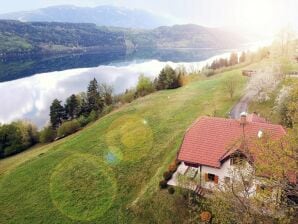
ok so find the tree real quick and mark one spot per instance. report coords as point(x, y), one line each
point(57, 113)
point(182, 75)
point(83, 104)
point(242, 57)
point(289, 112)
point(167, 79)
point(94, 99)
point(144, 86)
point(230, 85)
point(106, 92)
point(47, 134)
point(67, 128)
point(16, 137)
point(72, 107)
point(262, 188)
point(233, 59)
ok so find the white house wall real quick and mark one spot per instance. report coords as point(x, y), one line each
point(223, 172)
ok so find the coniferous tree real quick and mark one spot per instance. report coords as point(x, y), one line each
point(72, 107)
point(57, 113)
point(94, 99)
point(167, 79)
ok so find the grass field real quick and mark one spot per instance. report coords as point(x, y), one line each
point(109, 172)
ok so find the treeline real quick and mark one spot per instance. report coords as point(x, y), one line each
point(52, 37)
point(235, 59)
point(16, 137)
point(81, 109)
point(168, 78)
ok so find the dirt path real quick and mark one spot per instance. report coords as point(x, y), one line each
point(242, 105)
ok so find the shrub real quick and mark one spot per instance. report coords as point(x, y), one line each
point(128, 96)
point(107, 110)
point(92, 116)
point(83, 120)
point(145, 86)
point(171, 190)
point(173, 167)
point(16, 137)
point(68, 128)
point(163, 184)
point(208, 72)
point(47, 134)
point(167, 175)
point(205, 216)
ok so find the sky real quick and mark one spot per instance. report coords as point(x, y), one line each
point(264, 15)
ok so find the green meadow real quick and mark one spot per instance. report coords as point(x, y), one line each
point(109, 171)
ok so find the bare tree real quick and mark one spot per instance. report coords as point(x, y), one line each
point(230, 85)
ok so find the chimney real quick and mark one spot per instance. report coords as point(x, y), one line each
point(243, 116)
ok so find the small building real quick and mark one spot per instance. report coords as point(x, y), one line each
point(211, 146)
point(248, 73)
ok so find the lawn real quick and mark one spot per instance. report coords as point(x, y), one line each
point(109, 172)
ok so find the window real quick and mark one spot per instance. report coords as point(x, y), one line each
point(209, 177)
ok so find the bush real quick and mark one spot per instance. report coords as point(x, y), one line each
point(92, 116)
point(83, 120)
point(16, 137)
point(163, 184)
point(173, 167)
point(208, 72)
point(128, 96)
point(67, 128)
point(145, 86)
point(205, 216)
point(167, 175)
point(171, 190)
point(47, 134)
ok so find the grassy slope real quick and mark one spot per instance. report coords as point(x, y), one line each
point(109, 172)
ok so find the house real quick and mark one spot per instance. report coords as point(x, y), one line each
point(210, 145)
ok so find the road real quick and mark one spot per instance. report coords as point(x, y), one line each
point(242, 105)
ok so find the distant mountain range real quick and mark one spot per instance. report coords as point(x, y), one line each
point(101, 16)
point(35, 38)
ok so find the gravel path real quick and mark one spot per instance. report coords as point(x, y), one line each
point(242, 105)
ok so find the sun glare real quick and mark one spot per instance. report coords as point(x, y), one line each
point(260, 16)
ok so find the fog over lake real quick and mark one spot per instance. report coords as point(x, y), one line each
point(30, 98)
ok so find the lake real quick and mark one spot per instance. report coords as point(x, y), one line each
point(30, 97)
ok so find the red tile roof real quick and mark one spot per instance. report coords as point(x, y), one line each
point(255, 118)
point(206, 142)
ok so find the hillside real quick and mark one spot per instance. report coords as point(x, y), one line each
point(109, 172)
point(36, 38)
point(185, 36)
point(17, 38)
point(102, 16)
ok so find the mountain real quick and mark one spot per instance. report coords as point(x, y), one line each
point(101, 15)
point(184, 36)
point(18, 38)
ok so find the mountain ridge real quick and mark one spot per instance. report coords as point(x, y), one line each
point(54, 37)
point(105, 15)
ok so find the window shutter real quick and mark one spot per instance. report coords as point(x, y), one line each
point(206, 177)
point(216, 179)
